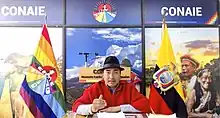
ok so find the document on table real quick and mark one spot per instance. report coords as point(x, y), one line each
point(111, 115)
point(161, 116)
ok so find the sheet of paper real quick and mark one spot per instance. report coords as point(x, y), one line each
point(111, 115)
point(161, 116)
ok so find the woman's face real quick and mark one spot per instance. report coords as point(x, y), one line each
point(206, 80)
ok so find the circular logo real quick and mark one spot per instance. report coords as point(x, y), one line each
point(45, 81)
point(49, 72)
point(164, 79)
point(104, 12)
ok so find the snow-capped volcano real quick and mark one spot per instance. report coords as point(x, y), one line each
point(114, 50)
point(131, 52)
point(72, 73)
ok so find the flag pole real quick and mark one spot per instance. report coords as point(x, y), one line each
point(12, 102)
point(45, 18)
point(164, 17)
point(163, 24)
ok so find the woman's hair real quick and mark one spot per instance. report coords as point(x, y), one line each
point(203, 71)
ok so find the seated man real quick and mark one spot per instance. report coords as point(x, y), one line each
point(111, 94)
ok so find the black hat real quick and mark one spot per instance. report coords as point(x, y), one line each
point(126, 63)
point(111, 62)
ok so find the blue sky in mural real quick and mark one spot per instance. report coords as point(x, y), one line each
point(121, 42)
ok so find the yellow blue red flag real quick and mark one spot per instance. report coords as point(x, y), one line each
point(166, 94)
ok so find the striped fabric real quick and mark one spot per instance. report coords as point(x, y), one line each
point(213, 19)
point(42, 88)
point(172, 100)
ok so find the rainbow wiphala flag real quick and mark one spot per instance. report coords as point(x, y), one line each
point(42, 88)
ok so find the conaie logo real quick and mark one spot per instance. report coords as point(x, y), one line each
point(23, 11)
point(95, 71)
point(181, 11)
point(104, 11)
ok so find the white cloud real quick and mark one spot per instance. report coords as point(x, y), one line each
point(102, 31)
point(135, 37)
point(70, 31)
point(121, 30)
point(119, 34)
point(137, 64)
point(116, 37)
point(25, 40)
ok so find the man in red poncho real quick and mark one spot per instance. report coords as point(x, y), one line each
point(111, 94)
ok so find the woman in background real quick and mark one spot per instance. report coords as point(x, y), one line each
point(202, 100)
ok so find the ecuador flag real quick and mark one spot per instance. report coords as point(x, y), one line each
point(42, 88)
point(166, 94)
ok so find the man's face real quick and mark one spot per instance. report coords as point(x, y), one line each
point(187, 68)
point(112, 76)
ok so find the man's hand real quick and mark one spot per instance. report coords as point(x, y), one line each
point(209, 115)
point(98, 104)
point(112, 109)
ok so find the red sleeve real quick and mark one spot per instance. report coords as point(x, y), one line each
point(139, 101)
point(84, 99)
point(88, 96)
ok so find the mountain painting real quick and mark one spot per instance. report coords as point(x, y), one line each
point(124, 43)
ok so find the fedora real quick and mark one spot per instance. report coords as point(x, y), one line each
point(111, 62)
point(126, 63)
